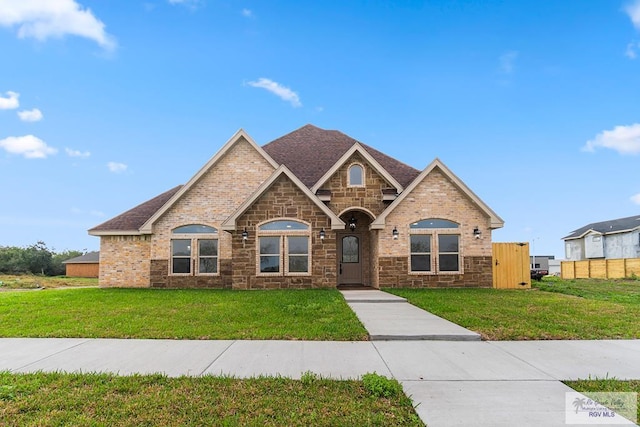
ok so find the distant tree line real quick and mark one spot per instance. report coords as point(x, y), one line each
point(34, 259)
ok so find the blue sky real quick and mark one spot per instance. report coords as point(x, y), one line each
point(105, 104)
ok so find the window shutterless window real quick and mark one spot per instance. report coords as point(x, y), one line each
point(269, 254)
point(284, 247)
point(420, 252)
point(448, 252)
point(194, 250)
point(181, 256)
point(298, 252)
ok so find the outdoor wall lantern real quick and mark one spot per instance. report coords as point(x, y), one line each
point(245, 235)
point(322, 234)
point(395, 233)
point(476, 232)
point(352, 223)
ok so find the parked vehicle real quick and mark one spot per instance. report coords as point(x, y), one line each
point(538, 273)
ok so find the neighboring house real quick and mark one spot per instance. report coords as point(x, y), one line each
point(540, 261)
point(312, 209)
point(87, 265)
point(618, 238)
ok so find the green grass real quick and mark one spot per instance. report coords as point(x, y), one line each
point(179, 314)
point(100, 399)
point(607, 385)
point(580, 310)
point(621, 291)
point(30, 281)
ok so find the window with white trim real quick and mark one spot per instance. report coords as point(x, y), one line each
point(194, 250)
point(284, 248)
point(356, 175)
point(434, 246)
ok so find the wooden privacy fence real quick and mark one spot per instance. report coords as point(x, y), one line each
point(600, 268)
point(511, 266)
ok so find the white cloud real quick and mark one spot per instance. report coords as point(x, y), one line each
point(34, 115)
point(193, 4)
point(116, 167)
point(635, 199)
point(630, 52)
point(623, 139)
point(28, 146)
point(10, 102)
point(76, 153)
point(277, 89)
point(247, 13)
point(633, 10)
point(42, 19)
point(507, 61)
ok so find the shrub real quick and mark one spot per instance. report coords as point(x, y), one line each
point(381, 386)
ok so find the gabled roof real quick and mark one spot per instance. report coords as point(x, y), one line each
point(310, 152)
point(619, 225)
point(130, 221)
point(496, 221)
point(146, 228)
point(357, 148)
point(88, 258)
point(230, 223)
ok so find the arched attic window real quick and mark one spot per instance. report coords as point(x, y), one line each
point(356, 175)
point(194, 250)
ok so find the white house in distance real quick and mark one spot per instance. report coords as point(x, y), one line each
point(617, 238)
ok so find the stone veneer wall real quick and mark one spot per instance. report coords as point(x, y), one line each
point(436, 197)
point(124, 261)
point(210, 201)
point(393, 273)
point(345, 197)
point(284, 200)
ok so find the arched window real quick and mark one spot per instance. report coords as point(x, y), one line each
point(284, 248)
point(434, 223)
point(356, 175)
point(434, 246)
point(194, 250)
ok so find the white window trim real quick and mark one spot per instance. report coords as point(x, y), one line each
point(435, 251)
point(284, 248)
point(195, 256)
point(349, 184)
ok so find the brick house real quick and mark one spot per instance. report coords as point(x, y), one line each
point(312, 209)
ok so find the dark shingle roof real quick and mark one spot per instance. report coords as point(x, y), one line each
point(605, 227)
point(310, 152)
point(134, 218)
point(88, 258)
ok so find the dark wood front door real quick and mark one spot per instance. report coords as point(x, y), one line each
point(350, 259)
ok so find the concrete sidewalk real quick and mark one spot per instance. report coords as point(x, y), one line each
point(452, 383)
point(390, 317)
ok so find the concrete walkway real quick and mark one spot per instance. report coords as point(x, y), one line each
point(452, 383)
point(389, 317)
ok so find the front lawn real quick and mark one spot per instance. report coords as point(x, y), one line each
point(100, 399)
point(574, 310)
point(179, 314)
point(607, 385)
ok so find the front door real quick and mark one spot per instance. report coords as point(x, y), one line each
point(350, 259)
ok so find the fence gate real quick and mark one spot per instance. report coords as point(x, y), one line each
point(511, 266)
